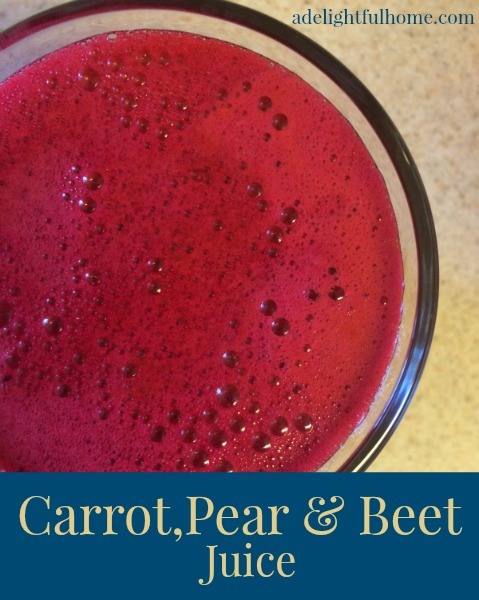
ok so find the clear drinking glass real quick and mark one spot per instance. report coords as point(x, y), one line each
point(66, 24)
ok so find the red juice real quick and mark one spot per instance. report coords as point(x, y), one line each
point(200, 264)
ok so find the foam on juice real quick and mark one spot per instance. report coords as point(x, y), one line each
point(200, 263)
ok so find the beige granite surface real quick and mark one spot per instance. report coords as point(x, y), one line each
point(427, 79)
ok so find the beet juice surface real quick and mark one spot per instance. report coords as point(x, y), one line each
point(200, 264)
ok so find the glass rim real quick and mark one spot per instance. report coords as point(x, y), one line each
point(391, 139)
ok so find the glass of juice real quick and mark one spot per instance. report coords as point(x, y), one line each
point(217, 252)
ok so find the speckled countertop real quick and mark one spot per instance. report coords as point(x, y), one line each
point(427, 79)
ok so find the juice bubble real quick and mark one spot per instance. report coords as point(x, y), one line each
point(142, 125)
point(157, 433)
point(129, 371)
point(52, 325)
point(210, 415)
point(274, 380)
point(93, 181)
point(254, 407)
point(155, 264)
point(228, 395)
point(12, 361)
point(174, 416)
point(336, 293)
point(224, 467)
point(6, 313)
point(265, 103)
point(231, 359)
point(238, 424)
point(254, 189)
point(24, 345)
point(280, 326)
point(87, 205)
point(217, 438)
point(88, 79)
point(188, 435)
point(268, 307)
point(303, 422)
point(289, 215)
point(262, 205)
point(93, 277)
point(62, 391)
point(279, 426)
point(200, 459)
point(153, 287)
point(275, 234)
point(280, 121)
point(144, 58)
point(261, 442)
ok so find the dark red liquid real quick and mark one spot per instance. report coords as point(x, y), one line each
point(200, 265)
